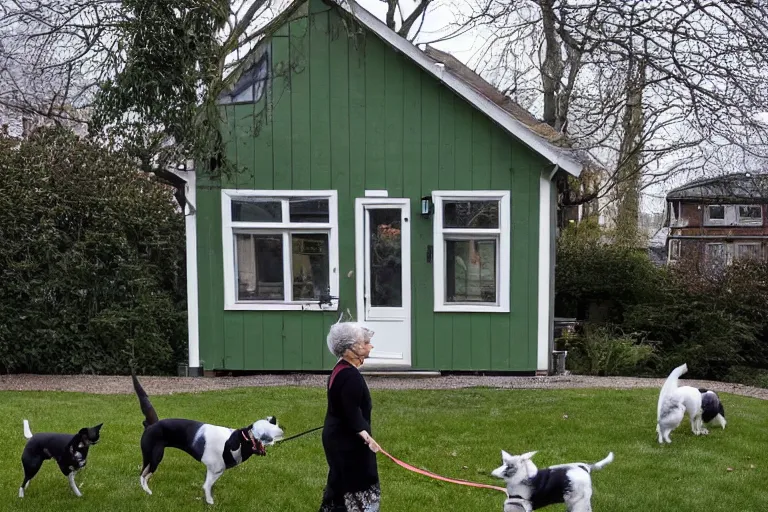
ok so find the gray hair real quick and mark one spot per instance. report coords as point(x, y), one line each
point(345, 334)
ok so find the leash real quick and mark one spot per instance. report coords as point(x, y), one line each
point(412, 468)
point(438, 477)
point(300, 434)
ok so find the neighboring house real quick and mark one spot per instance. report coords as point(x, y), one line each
point(376, 182)
point(715, 221)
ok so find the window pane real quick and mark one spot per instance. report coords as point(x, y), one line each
point(714, 255)
point(471, 214)
point(747, 251)
point(310, 265)
point(750, 213)
point(717, 212)
point(674, 250)
point(259, 261)
point(256, 209)
point(470, 271)
point(386, 258)
point(309, 209)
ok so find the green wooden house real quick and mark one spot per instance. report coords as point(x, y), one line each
point(373, 181)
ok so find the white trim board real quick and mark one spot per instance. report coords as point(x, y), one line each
point(544, 315)
point(513, 126)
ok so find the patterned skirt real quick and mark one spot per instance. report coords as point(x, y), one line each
point(361, 501)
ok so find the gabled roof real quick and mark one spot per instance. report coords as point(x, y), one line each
point(737, 187)
point(515, 121)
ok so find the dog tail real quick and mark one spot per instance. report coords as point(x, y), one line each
point(27, 430)
point(670, 385)
point(146, 406)
point(601, 464)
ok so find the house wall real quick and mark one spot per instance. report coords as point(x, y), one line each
point(694, 235)
point(351, 114)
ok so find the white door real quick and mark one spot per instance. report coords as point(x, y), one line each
point(383, 277)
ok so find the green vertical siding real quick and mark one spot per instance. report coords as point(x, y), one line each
point(348, 113)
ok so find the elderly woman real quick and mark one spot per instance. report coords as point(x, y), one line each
point(353, 478)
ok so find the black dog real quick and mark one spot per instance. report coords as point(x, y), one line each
point(219, 448)
point(69, 451)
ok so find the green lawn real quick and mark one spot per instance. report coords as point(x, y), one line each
point(454, 433)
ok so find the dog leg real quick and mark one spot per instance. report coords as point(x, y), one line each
point(144, 478)
point(73, 485)
point(210, 479)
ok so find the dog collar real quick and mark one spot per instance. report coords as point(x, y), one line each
point(257, 446)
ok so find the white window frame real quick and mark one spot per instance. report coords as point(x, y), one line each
point(228, 245)
point(708, 221)
point(503, 256)
point(675, 248)
point(748, 221)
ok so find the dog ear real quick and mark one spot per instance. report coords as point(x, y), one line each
point(529, 455)
point(505, 457)
point(272, 420)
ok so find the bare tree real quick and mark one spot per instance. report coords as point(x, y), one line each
point(403, 26)
point(653, 89)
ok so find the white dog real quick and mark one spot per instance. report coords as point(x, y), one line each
point(530, 488)
point(702, 405)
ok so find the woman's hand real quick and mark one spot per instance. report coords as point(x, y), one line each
point(367, 439)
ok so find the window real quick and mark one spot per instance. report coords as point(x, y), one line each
point(471, 251)
point(750, 214)
point(733, 214)
point(674, 250)
point(251, 85)
point(747, 251)
point(280, 249)
point(715, 255)
point(715, 214)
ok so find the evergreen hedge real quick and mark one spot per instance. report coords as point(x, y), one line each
point(91, 261)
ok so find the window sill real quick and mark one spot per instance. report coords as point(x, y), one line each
point(285, 306)
point(470, 308)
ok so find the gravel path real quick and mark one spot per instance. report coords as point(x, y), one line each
point(112, 385)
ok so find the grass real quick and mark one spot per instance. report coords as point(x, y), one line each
point(455, 433)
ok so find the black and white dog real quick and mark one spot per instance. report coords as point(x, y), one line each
point(69, 451)
point(702, 406)
point(219, 448)
point(530, 488)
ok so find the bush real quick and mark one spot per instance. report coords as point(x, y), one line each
point(716, 322)
point(92, 261)
point(605, 350)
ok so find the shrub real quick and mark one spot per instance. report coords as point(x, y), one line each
point(92, 261)
point(605, 350)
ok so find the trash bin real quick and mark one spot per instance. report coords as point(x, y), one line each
point(558, 362)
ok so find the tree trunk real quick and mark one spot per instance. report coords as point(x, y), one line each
point(629, 171)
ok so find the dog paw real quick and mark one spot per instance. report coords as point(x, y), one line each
point(704, 432)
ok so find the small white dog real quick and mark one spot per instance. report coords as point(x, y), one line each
point(530, 488)
point(702, 405)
